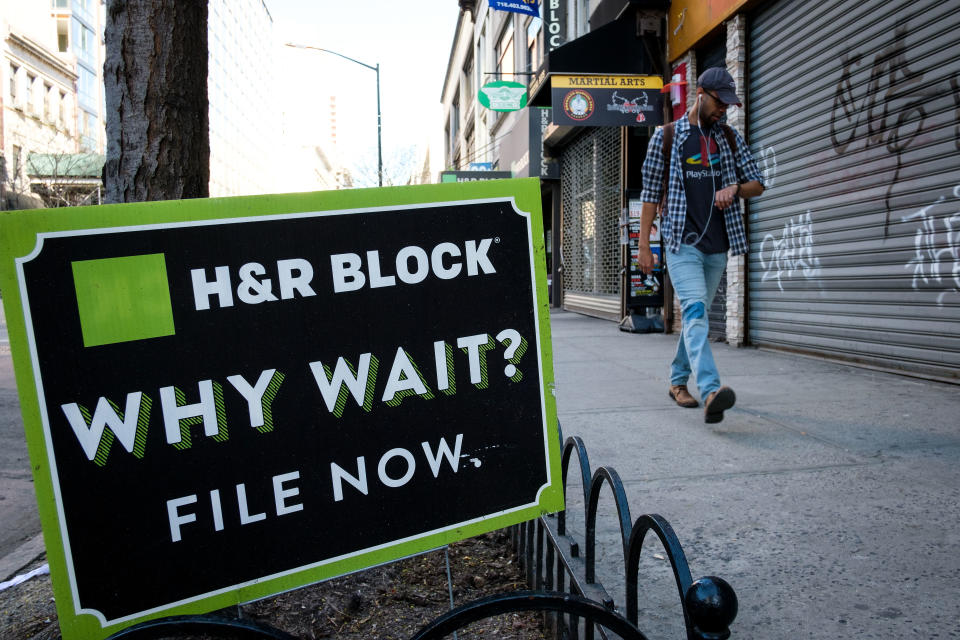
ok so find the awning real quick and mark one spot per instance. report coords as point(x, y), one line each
point(65, 165)
point(617, 47)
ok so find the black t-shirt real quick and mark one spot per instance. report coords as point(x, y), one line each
point(701, 167)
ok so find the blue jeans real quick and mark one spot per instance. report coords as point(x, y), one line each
point(695, 277)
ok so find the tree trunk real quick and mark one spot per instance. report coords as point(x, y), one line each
point(155, 78)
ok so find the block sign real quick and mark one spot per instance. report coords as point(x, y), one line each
point(226, 399)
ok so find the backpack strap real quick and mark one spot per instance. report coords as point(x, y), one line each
point(731, 139)
point(667, 150)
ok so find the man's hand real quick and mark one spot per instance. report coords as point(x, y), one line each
point(726, 196)
point(645, 256)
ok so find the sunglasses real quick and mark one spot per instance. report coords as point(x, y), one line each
point(720, 103)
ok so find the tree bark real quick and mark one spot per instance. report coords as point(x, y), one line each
point(155, 78)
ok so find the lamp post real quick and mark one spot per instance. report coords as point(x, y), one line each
point(375, 69)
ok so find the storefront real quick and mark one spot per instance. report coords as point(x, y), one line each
point(605, 92)
point(855, 247)
point(522, 154)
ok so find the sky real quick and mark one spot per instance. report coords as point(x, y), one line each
point(411, 41)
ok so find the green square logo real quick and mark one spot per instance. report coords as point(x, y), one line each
point(123, 299)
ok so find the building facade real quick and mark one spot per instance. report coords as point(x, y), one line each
point(306, 154)
point(852, 110)
point(51, 121)
point(80, 25)
point(491, 46)
point(241, 91)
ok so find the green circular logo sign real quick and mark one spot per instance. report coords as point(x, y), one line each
point(503, 95)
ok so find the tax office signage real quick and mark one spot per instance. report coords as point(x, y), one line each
point(229, 398)
point(606, 100)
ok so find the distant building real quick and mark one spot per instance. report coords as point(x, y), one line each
point(241, 90)
point(266, 136)
point(305, 152)
point(51, 99)
point(488, 46)
point(79, 31)
point(429, 157)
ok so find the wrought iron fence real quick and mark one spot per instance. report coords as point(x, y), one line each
point(553, 560)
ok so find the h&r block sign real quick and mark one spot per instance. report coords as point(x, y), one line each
point(225, 399)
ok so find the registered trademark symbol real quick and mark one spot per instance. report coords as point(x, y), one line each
point(496, 240)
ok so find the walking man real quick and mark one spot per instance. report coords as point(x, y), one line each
point(695, 172)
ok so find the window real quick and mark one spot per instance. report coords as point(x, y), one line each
point(48, 96)
point(86, 41)
point(533, 44)
point(13, 83)
point(505, 55)
point(29, 92)
point(582, 17)
point(62, 109)
point(17, 151)
point(446, 133)
point(467, 90)
point(61, 4)
point(88, 131)
point(84, 8)
point(480, 60)
point(88, 87)
point(63, 35)
point(455, 118)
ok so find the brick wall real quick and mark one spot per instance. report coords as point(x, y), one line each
point(737, 265)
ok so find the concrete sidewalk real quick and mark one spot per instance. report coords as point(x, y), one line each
point(828, 497)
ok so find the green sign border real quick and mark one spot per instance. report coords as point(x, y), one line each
point(19, 236)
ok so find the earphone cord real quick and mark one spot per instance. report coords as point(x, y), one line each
point(713, 182)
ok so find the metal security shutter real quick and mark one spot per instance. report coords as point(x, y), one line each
point(855, 247)
point(591, 193)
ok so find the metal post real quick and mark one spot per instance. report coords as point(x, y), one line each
point(379, 146)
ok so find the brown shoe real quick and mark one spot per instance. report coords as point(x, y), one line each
point(718, 402)
point(682, 397)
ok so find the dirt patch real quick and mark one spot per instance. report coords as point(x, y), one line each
point(389, 602)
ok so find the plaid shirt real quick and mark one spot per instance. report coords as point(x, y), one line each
point(674, 215)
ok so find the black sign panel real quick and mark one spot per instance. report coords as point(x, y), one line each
point(285, 397)
point(473, 176)
point(607, 101)
point(540, 165)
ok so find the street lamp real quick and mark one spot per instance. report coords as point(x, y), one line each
point(377, 70)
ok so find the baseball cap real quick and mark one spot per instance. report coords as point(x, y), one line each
point(719, 80)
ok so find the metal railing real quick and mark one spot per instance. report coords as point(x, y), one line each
point(553, 561)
